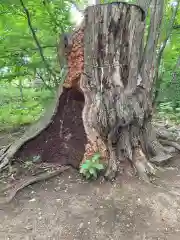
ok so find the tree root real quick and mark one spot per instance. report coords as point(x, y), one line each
point(141, 164)
point(170, 143)
point(5, 162)
point(11, 192)
point(165, 138)
point(168, 153)
point(3, 151)
point(144, 166)
point(163, 133)
point(8, 153)
point(161, 159)
point(111, 170)
point(162, 156)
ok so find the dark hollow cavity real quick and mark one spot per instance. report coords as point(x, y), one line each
point(63, 141)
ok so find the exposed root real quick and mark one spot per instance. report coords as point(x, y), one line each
point(143, 167)
point(141, 171)
point(161, 159)
point(5, 162)
point(160, 154)
point(31, 132)
point(12, 191)
point(154, 147)
point(3, 151)
point(111, 170)
point(163, 133)
point(170, 143)
point(158, 145)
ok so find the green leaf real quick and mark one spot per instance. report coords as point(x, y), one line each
point(99, 166)
point(88, 175)
point(87, 164)
point(93, 172)
point(82, 170)
point(18, 48)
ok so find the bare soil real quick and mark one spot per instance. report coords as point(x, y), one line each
point(63, 141)
point(69, 208)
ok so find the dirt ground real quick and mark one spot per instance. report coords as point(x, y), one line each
point(68, 208)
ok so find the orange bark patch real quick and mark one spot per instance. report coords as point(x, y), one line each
point(92, 148)
point(75, 61)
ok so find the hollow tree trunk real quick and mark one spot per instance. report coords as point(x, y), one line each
point(107, 64)
point(118, 108)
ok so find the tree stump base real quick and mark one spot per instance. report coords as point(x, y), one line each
point(104, 68)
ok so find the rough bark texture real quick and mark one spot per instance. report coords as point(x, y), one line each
point(118, 108)
point(111, 86)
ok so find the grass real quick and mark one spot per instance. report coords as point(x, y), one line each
point(15, 112)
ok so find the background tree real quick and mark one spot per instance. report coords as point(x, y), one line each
point(29, 69)
point(29, 41)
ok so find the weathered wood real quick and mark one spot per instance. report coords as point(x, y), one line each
point(116, 84)
point(117, 110)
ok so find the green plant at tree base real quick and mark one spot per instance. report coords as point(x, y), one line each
point(91, 167)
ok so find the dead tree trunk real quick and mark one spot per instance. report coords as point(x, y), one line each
point(107, 63)
point(118, 105)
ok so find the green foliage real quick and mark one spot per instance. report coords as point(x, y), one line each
point(19, 53)
point(91, 167)
point(15, 113)
point(21, 61)
point(169, 81)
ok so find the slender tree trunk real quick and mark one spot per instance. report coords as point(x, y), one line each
point(118, 107)
point(158, 78)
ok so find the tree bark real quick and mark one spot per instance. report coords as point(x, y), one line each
point(107, 63)
point(117, 113)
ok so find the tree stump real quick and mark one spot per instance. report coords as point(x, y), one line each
point(108, 65)
point(118, 108)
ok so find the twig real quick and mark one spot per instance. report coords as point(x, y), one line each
point(52, 16)
point(3, 150)
point(36, 39)
point(32, 180)
point(14, 53)
point(45, 84)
